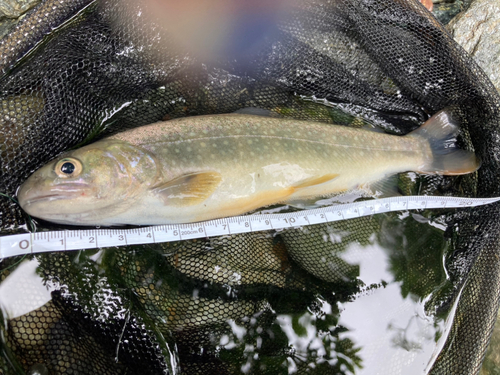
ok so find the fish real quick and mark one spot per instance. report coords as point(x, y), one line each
point(213, 166)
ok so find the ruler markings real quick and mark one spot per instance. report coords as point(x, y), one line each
point(28, 243)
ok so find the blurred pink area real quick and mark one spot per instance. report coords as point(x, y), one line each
point(209, 29)
point(428, 4)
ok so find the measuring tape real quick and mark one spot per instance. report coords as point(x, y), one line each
point(29, 243)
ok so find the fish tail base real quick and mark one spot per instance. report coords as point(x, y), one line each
point(441, 131)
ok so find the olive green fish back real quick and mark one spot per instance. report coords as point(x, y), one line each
point(220, 305)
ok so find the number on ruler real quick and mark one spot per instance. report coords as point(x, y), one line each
point(24, 244)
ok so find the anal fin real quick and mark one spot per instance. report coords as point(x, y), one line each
point(304, 204)
point(309, 203)
point(386, 187)
point(308, 182)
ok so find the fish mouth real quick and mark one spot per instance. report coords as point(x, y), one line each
point(62, 192)
point(48, 197)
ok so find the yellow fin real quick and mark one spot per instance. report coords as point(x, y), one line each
point(315, 180)
point(189, 189)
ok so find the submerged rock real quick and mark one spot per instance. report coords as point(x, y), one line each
point(477, 30)
point(15, 8)
point(10, 11)
point(445, 10)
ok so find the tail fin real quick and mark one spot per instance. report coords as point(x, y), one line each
point(441, 131)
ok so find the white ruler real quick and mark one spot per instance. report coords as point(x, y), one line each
point(29, 243)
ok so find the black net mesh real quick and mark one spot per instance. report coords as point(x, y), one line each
point(74, 71)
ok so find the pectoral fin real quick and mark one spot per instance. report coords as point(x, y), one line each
point(189, 189)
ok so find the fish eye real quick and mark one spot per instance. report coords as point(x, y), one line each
point(68, 167)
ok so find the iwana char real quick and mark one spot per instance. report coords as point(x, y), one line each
point(205, 167)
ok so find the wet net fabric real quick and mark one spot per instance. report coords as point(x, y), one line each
point(95, 68)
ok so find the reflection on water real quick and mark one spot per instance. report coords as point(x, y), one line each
point(395, 335)
point(353, 297)
point(23, 291)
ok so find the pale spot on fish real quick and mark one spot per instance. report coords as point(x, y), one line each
point(199, 157)
point(189, 149)
point(226, 142)
point(177, 150)
point(249, 141)
point(212, 156)
point(356, 137)
point(361, 153)
point(203, 144)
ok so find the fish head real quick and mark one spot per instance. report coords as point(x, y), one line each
point(84, 185)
